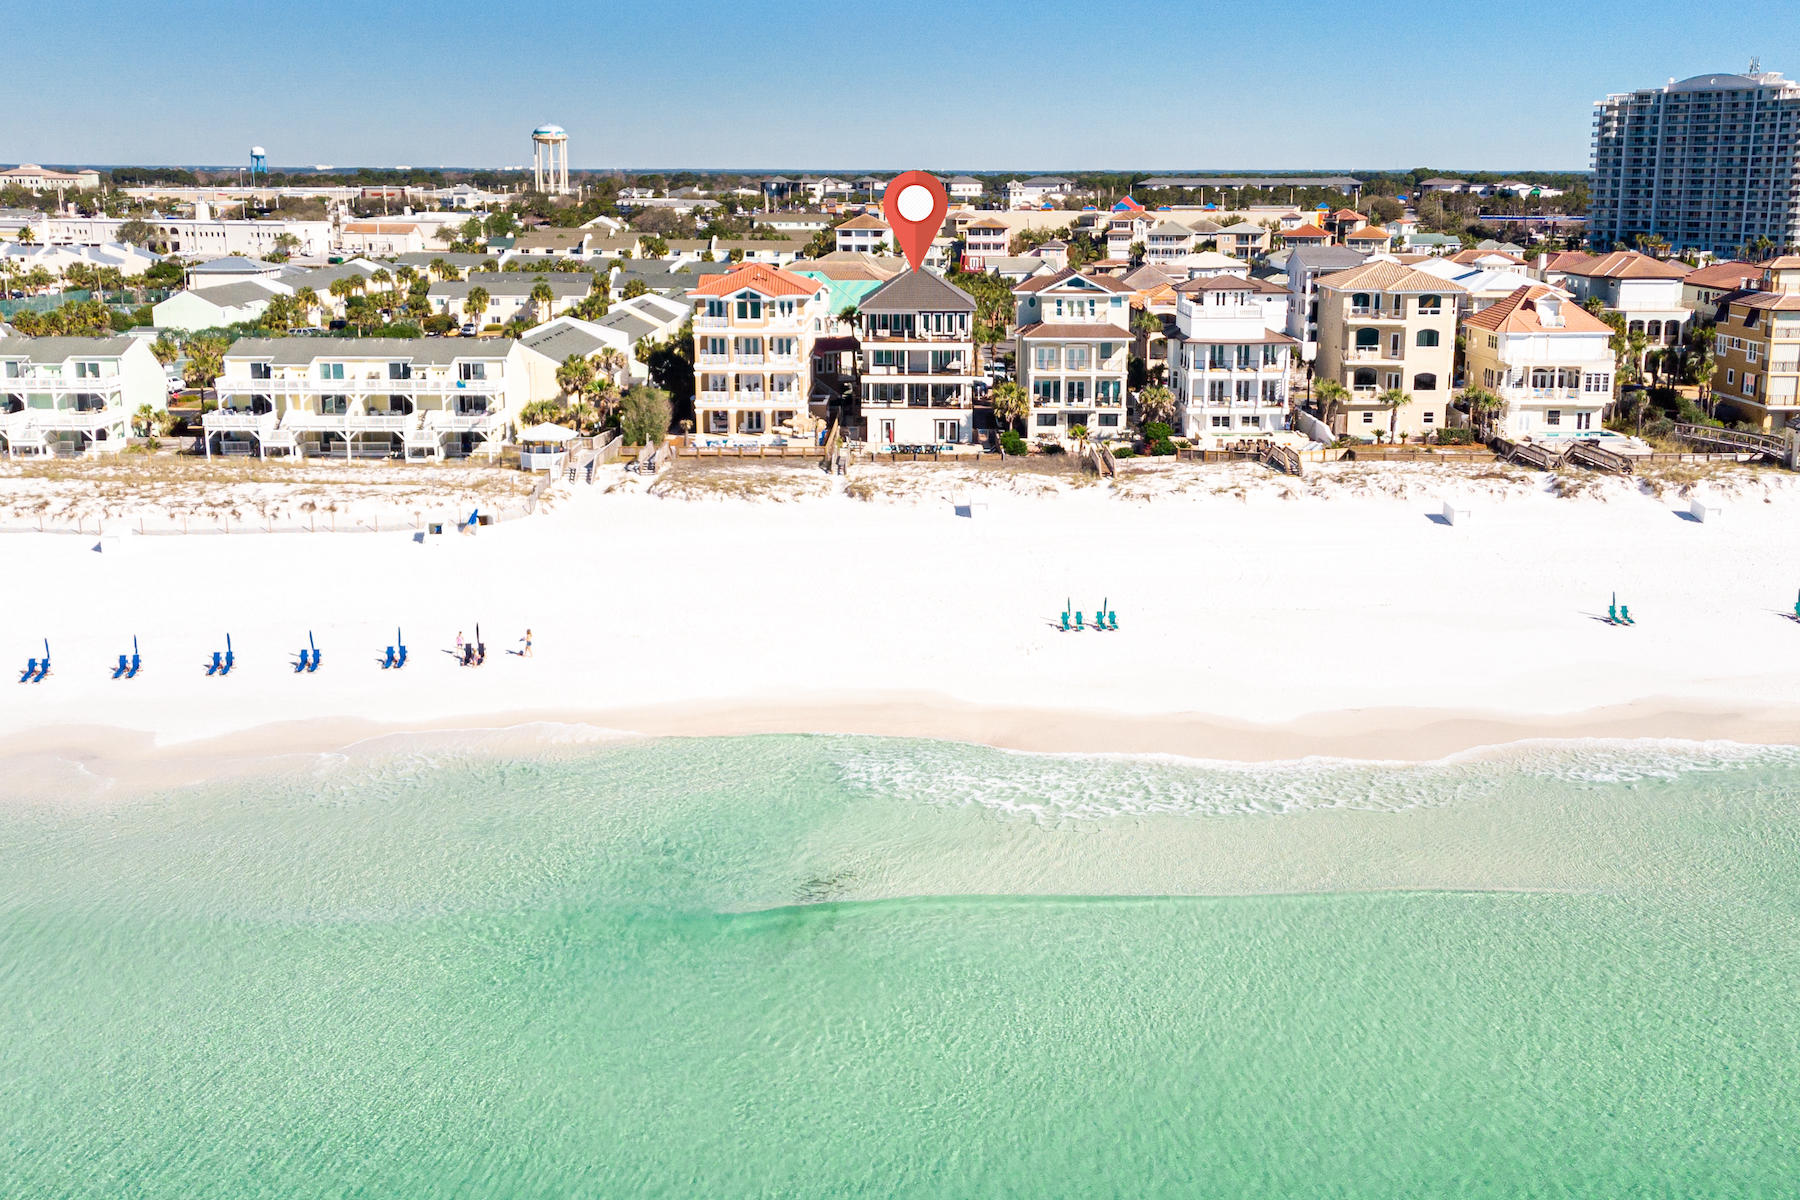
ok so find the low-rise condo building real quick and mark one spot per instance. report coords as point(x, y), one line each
point(1072, 350)
point(1384, 327)
point(918, 362)
point(421, 399)
point(75, 395)
point(509, 295)
point(1547, 358)
point(1756, 347)
point(1646, 291)
point(1228, 366)
point(754, 328)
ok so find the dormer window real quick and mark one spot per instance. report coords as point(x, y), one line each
point(1550, 313)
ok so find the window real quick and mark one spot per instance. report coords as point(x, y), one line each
point(1046, 420)
point(470, 370)
point(1427, 337)
point(1368, 416)
point(1075, 358)
point(1221, 422)
point(1428, 416)
point(1365, 378)
point(1430, 306)
point(1360, 302)
point(1730, 377)
point(1044, 358)
point(333, 406)
point(1047, 391)
point(1584, 420)
point(1109, 420)
point(1077, 393)
point(331, 370)
point(1553, 416)
point(749, 308)
point(1596, 382)
point(1367, 339)
point(258, 370)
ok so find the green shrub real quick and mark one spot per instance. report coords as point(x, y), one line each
point(1124, 450)
point(1012, 443)
point(1162, 445)
point(1050, 447)
point(1157, 431)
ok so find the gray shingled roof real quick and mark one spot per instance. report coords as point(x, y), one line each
point(60, 349)
point(563, 341)
point(234, 264)
point(299, 351)
point(233, 295)
point(917, 291)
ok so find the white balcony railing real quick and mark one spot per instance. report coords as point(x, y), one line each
point(714, 396)
point(238, 385)
point(60, 385)
point(225, 420)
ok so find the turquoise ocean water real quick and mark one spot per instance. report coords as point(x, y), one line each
point(857, 967)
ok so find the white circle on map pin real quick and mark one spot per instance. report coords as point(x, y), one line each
point(915, 202)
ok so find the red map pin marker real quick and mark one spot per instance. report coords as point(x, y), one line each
point(914, 205)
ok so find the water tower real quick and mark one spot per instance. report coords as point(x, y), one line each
point(550, 160)
point(259, 164)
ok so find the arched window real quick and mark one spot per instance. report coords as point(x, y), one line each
point(1367, 339)
point(1365, 378)
point(1424, 383)
point(1654, 329)
point(1428, 337)
point(1430, 306)
point(1635, 327)
point(1360, 300)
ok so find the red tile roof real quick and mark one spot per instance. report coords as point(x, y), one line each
point(1729, 276)
point(1628, 264)
point(757, 277)
point(1518, 313)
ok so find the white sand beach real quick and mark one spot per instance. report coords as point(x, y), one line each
point(1259, 617)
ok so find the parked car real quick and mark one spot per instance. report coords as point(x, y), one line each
point(469, 331)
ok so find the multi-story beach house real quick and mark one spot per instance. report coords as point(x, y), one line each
point(74, 395)
point(918, 362)
point(865, 234)
point(985, 238)
point(1546, 357)
point(1383, 327)
point(1305, 265)
point(1756, 347)
point(1646, 291)
point(421, 399)
point(1072, 350)
point(754, 329)
point(1228, 366)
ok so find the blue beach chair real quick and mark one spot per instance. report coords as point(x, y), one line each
point(387, 664)
point(1625, 614)
point(1078, 625)
point(1112, 620)
point(137, 663)
point(218, 664)
point(43, 665)
point(401, 661)
point(30, 672)
point(313, 664)
point(124, 665)
point(230, 658)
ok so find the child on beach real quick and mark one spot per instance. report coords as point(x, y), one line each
point(526, 653)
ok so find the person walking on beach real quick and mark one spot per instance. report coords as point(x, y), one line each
point(526, 653)
point(459, 643)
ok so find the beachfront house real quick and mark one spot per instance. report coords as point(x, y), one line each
point(1548, 359)
point(754, 329)
point(1228, 366)
point(1072, 349)
point(918, 362)
point(1385, 327)
point(421, 399)
point(75, 395)
point(1756, 345)
point(1646, 291)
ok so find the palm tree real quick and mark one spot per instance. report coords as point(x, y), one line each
point(614, 365)
point(1484, 409)
point(476, 305)
point(849, 313)
point(542, 297)
point(1157, 403)
point(575, 375)
point(381, 275)
point(1395, 399)
point(1011, 404)
point(1703, 375)
point(1331, 396)
point(305, 300)
point(443, 270)
point(27, 236)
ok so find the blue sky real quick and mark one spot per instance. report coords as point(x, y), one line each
point(949, 84)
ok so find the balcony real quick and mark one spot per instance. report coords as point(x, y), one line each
point(226, 420)
point(701, 321)
point(1369, 354)
point(713, 396)
point(59, 385)
point(239, 386)
point(958, 369)
point(748, 360)
point(711, 360)
point(463, 422)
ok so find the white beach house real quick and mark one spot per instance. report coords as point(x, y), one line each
point(422, 399)
point(1229, 366)
point(74, 395)
point(1073, 346)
